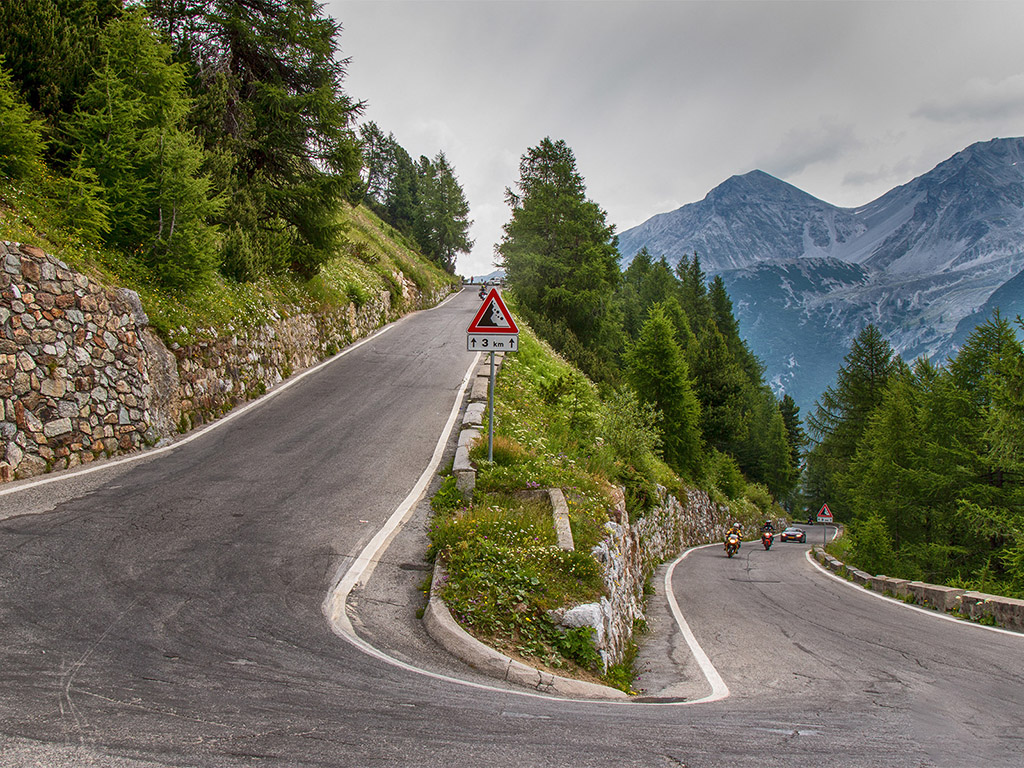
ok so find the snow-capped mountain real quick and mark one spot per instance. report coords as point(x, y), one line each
point(925, 262)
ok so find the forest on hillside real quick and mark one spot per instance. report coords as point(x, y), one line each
point(663, 343)
point(203, 137)
point(922, 463)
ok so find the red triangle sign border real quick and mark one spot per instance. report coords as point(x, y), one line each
point(493, 298)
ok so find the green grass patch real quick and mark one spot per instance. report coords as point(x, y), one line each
point(505, 572)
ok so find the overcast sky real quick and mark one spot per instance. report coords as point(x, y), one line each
point(663, 101)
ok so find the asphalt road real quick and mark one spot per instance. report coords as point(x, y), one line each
point(168, 612)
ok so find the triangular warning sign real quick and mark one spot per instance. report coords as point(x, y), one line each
point(493, 317)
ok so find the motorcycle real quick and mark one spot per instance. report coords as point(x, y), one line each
point(732, 544)
point(482, 293)
point(767, 538)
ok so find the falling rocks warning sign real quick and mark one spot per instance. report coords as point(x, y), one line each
point(493, 329)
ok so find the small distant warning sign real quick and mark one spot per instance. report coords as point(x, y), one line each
point(493, 317)
point(824, 514)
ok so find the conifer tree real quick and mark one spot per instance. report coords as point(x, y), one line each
point(442, 214)
point(49, 48)
point(795, 435)
point(841, 415)
point(657, 370)
point(129, 129)
point(21, 135)
point(560, 256)
point(276, 124)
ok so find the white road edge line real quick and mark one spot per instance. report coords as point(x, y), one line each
point(358, 571)
point(719, 690)
point(234, 414)
point(898, 602)
point(362, 567)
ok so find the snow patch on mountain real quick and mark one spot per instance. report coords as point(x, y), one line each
point(926, 257)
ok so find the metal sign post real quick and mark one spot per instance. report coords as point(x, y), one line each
point(493, 329)
point(490, 415)
point(824, 516)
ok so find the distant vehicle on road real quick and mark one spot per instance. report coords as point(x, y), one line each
point(794, 534)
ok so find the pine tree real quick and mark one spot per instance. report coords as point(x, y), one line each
point(842, 413)
point(275, 121)
point(442, 217)
point(882, 475)
point(795, 435)
point(49, 48)
point(129, 130)
point(769, 459)
point(657, 370)
point(21, 135)
point(560, 256)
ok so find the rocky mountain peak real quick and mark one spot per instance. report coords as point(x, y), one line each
point(930, 255)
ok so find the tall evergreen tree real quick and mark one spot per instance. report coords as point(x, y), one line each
point(376, 150)
point(694, 291)
point(21, 134)
point(842, 413)
point(560, 255)
point(770, 459)
point(973, 363)
point(276, 120)
point(442, 220)
point(795, 435)
point(1004, 420)
point(657, 370)
point(882, 473)
point(130, 132)
point(49, 48)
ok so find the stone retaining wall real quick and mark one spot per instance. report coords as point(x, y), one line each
point(82, 375)
point(1005, 612)
point(629, 554)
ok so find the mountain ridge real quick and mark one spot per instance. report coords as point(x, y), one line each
point(932, 255)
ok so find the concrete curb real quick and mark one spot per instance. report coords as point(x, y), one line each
point(447, 633)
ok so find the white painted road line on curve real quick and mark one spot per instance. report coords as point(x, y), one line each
point(361, 568)
point(334, 605)
point(719, 690)
point(898, 602)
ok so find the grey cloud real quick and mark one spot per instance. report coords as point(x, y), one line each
point(804, 147)
point(978, 101)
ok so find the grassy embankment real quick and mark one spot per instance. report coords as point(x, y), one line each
point(552, 429)
point(370, 255)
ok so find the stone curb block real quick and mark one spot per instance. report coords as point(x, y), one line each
point(462, 468)
point(446, 632)
point(938, 597)
point(560, 510)
point(481, 385)
point(474, 415)
point(1006, 611)
point(859, 577)
point(468, 436)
